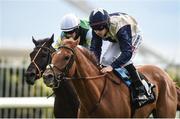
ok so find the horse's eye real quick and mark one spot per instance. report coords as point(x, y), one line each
point(45, 50)
point(66, 58)
point(44, 55)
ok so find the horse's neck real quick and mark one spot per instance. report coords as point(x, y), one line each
point(88, 54)
point(86, 67)
point(88, 90)
point(66, 90)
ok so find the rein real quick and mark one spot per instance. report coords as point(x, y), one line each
point(99, 101)
point(82, 78)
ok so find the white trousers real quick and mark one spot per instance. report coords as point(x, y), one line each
point(113, 51)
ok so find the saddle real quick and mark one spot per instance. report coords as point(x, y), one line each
point(149, 97)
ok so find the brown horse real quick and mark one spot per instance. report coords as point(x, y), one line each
point(104, 95)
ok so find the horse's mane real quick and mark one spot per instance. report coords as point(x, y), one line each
point(88, 54)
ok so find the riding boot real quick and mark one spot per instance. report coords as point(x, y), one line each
point(139, 97)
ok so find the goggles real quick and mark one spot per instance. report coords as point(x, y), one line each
point(69, 32)
point(98, 27)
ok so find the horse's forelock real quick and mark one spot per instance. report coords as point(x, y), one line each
point(42, 41)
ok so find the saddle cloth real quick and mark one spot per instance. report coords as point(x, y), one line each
point(123, 74)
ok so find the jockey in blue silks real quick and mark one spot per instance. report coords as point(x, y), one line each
point(122, 31)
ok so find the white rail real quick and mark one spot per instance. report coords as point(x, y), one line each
point(26, 102)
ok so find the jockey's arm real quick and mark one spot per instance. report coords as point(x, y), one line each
point(125, 41)
point(88, 38)
point(58, 42)
point(96, 44)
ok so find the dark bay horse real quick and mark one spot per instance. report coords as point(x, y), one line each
point(40, 57)
point(104, 95)
point(66, 101)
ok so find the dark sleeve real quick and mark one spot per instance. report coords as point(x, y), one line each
point(125, 41)
point(62, 35)
point(96, 44)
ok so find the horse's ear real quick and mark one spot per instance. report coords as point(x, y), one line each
point(34, 41)
point(52, 39)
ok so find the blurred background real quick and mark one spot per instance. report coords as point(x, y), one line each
point(159, 21)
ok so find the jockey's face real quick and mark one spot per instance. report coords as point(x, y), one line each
point(101, 33)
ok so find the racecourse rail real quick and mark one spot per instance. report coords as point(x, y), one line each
point(26, 102)
point(17, 98)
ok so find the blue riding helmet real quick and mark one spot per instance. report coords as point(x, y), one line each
point(99, 19)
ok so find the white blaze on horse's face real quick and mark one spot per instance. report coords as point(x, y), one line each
point(49, 66)
point(81, 47)
point(59, 52)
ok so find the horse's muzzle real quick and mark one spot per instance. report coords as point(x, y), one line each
point(48, 79)
point(30, 77)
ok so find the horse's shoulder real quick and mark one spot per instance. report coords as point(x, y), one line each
point(118, 82)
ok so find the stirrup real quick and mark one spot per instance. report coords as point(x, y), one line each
point(148, 87)
point(142, 99)
point(140, 90)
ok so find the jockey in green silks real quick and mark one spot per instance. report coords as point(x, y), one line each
point(72, 26)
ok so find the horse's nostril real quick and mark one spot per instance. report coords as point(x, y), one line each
point(32, 74)
point(48, 79)
point(50, 76)
point(30, 77)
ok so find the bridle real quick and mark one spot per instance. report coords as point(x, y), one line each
point(33, 60)
point(63, 76)
point(62, 72)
